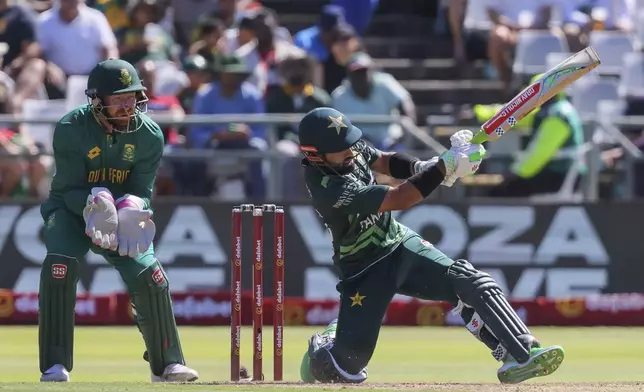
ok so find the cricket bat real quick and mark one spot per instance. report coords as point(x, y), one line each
point(536, 94)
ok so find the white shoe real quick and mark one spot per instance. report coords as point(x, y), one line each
point(56, 373)
point(176, 373)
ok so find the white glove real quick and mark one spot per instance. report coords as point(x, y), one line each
point(136, 229)
point(463, 158)
point(424, 165)
point(101, 219)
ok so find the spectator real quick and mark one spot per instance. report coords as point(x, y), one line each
point(331, 38)
point(613, 14)
point(358, 13)
point(236, 37)
point(498, 31)
point(186, 16)
point(114, 10)
point(367, 91)
point(167, 105)
point(555, 127)
point(297, 95)
point(67, 31)
point(229, 94)
point(210, 41)
point(264, 54)
point(142, 38)
point(575, 23)
point(14, 143)
point(21, 59)
point(197, 70)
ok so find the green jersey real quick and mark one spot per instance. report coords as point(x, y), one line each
point(348, 205)
point(87, 157)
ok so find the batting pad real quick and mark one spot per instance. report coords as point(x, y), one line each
point(152, 309)
point(56, 301)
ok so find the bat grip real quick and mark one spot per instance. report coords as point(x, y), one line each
point(480, 137)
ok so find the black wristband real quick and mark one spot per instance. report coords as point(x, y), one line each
point(401, 165)
point(427, 180)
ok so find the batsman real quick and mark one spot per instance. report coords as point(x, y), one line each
point(107, 154)
point(377, 257)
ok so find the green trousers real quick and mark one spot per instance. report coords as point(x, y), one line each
point(415, 268)
point(64, 234)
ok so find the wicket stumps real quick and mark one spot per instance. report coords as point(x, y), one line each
point(258, 289)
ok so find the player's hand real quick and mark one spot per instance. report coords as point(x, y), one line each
point(101, 219)
point(424, 165)
point(136, 229)
point(464, 158)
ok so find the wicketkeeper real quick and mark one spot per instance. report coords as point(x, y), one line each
point(377, 257)
point(107, 154)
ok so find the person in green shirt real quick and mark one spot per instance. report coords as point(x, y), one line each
point(377, 257)
point(107, 154)
point(555, 127)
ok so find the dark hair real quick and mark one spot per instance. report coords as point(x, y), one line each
point(210, 25)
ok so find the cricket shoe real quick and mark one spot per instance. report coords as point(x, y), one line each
point(542, 362)
point(176, 373)
point(56, 373)
point(305, 366)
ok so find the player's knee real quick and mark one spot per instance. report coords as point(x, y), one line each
point(468, 281)
point(152, 280)
point(325, 368)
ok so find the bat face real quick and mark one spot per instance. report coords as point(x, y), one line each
point(536, 94)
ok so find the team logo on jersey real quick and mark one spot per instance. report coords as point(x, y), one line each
point(94, 152)
point(426, 243)
point(356, 300)
point(128, 152)
point(125, 78)
point(337, 123)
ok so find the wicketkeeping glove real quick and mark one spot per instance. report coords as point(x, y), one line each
point(136, 229)
point(101, 219)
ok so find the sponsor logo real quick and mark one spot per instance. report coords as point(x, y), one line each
point(158, 277)
point(58, 271)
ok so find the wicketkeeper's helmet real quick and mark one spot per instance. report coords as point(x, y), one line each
point(114, 77)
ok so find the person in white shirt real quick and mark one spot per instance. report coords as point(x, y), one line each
point(366, 91)
point(73, 38)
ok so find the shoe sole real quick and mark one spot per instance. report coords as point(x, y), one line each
point(543, 363)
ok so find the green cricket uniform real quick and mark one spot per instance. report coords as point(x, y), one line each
point(87, 157)
point(91, 152)
point(376, 256)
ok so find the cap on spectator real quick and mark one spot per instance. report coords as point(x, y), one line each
point(231, 64)
point(359, 61)
point(194, 63)
point(332, 16)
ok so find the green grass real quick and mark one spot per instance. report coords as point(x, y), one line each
point(110, 358)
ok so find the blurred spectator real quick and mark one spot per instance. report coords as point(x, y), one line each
point(358, 13)
point(142, 38)
point(229, 94)
point(209, 41)
point(20, 59)
point(556, 128)
point(197, 70)
point(236, 37)
point(19, 176)
point(575, 23)
point(329, 43)
point(264, 54)
point(613, 14)
point(68, 30)
point(114, 10)
point(162, 104)
point(367, 91)
point(297, 95)
point(493, 26)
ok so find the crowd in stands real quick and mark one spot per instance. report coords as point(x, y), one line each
point(233, 57)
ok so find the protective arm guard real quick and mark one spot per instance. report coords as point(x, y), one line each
point(152, 309)
point(56, 302)
point(487, 313)
point(324, 368)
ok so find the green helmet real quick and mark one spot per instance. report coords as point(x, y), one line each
point(325, 131)
point(114, 77)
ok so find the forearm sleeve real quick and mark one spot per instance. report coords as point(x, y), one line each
point(401, 165)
